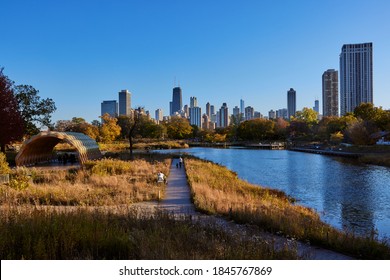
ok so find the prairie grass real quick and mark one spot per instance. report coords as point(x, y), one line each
point(217, 190)
point(35, 234)
point(142, 145)
point(104, 182)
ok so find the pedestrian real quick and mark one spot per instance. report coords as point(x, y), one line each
point(180, 162)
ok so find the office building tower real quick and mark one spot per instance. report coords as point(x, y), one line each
point(282, 113)
point(236, 111)
point(224, 116)
point(177, 103)
point(208, 109)
point(356, 76)
point(330, 93)
point(110, 107)
point(185, 113)
point(212, 109)
point(242, 108)
point(272, 115)
point(291, 103)
point(196, 116)
point(249, 113)
point(193, 102)
point(159, 115)
point(316, 106)
point(124, 97)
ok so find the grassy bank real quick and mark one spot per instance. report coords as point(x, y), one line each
point(216, 190)
point(34, 234)
point(142, 145)
point(104, 182)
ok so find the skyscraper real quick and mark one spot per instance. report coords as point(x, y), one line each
point(159, 115)
point(196, 116)
point(223, 116)
point(291, 103)
point(356, 76)
point(249, 113)
point(124, 97)
point(208, 109)
point(236, 111)
point(330, 93)
point(177, 103)
point(110, 107)
point(193, 102)
point(316, 106)
point(242, 108)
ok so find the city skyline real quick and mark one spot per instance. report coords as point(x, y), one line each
point(220, 51)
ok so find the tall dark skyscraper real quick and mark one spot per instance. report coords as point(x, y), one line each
point(291, 103)
point(124, 102)
point(356, 77)
point(177, 103)
point(330, 93)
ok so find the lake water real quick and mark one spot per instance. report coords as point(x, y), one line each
point(347, 195)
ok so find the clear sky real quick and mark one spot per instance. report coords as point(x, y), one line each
point(81, 52)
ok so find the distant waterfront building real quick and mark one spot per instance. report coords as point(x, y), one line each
point(249, 113)
point(356, 76)
point(257, 115)
point(159, 115)
point(212, 109)
point(282, 113)
point(330, 93)
point(224, 116)
point(242, 108)
point(291, 102)
point(196, 116)
point(193, 102)
point(177, 101)
point(208, 109)
point(236, 111)
point(316, 106)
point(272, 115)
point(124, 97)
point(110, 107)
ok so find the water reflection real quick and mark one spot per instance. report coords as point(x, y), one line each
point(348, 195)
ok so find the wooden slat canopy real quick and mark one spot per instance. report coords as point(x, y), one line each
point(39, 148)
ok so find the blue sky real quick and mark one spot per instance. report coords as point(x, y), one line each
point(83, 52)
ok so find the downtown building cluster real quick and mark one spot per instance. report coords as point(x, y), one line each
point(355, 81)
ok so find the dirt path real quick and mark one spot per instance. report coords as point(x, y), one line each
point(177, 200)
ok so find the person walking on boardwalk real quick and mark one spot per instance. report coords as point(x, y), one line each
point(180, 162)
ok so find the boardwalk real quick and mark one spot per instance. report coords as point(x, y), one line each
point(177, 200)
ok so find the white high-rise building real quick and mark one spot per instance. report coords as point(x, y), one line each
point(356, 76)
point(159, 115)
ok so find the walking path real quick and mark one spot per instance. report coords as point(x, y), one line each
point(177, 200)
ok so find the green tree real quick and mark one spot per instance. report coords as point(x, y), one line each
point(11, 122)
point(256, 129)
point(36, 112)
point(308, 115)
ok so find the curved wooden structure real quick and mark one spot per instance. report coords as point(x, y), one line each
point(39, 148)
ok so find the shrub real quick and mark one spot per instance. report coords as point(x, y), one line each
point(4, 167)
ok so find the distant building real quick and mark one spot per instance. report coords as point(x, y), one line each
point(224, 116)
point(193, 102)
point(206, 122)
point(242, 108)
point(272, 115)
point(257, 115)
point(282, 113)
point(356, 76)
point(212, 109)
point(208, 109)
point(236, 111)
point(291, 102)
point(110, 107)
point(195, 116)
point(330, 93)
point(316, 106)
point(124, 97)
point(159, 115)
point(249, 113)
point(177, 101)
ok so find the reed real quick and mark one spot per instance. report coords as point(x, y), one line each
point(30, 233)
point(104, 182)
point(217, 190)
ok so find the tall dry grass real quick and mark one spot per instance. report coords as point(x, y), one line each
point(217, 190)
point(104, 182)
point(82, 234)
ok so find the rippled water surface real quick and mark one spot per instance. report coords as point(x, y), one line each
point(347, 195)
